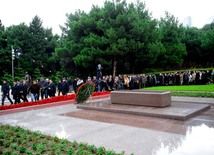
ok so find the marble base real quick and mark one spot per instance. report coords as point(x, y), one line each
point(177, 110)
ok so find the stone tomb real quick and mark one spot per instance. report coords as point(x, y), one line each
point(146, 103)
point(141, 98)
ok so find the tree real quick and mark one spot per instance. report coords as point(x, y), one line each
point(113, 35)
point(173, 49)
point(18, 36)
point(1, 28)
point(144, 38)
point(4, 54)
point(33, 46)
point(38, 40)
point(192, 41)
point(207, 45)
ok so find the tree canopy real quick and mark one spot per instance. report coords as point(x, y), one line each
point(123, 37)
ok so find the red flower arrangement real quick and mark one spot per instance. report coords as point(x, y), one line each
point(84, 85)
point(85, 91)
point(48, 100)
point(101, 93)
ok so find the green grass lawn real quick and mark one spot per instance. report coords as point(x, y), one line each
point(187, 90)
point(205, 88)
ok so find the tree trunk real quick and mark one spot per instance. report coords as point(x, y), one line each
point(114, 67)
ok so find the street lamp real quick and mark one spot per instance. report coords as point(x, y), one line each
point(13, 56)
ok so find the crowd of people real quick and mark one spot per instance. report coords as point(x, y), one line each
point(36, 90)
point(47, 88)
point(129, 82)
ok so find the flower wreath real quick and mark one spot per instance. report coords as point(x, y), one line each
point(85, 91)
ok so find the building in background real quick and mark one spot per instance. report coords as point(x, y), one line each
point(187, 21)
point(210, 20)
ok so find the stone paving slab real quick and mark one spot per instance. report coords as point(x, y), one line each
point(154, 123)
point(177, 110)
point(193, 99)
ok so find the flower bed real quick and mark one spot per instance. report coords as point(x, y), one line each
point(18, 140)
point(101, 93)
point(48, 100)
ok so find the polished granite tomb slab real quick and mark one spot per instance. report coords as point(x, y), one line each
point(141, 98)
point(177, 110)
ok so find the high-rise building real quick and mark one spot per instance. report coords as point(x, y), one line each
point(209, 20)
point(187, 21)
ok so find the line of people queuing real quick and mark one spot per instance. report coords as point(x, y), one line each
point(129, 82)
point(47, 88)
point(21, 90)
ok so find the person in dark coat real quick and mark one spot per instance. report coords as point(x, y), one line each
point(59, 87)
point(24, 90)
point(110, 83)
point(6, 92)
point(51, 89)
point(131, 83)
point(96, 82)
point(75, 85)
point(46, 84)
point(103, 85)
point(65, 87)
point(42, 83)
point(33, 90)
point(15, 92)
point(20, 91)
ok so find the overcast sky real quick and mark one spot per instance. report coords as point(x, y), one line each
point(52, 12)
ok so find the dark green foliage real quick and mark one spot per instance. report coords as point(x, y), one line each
point(123, 37)
point(193, 46)
point(172, 49)
point(33, 46)
point(117, 33)
point(207, 44)
point(41, 144)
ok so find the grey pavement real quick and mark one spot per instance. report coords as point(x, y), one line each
point(193, 99)
point(198, 140)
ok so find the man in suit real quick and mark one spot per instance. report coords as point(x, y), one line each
point(6, 92)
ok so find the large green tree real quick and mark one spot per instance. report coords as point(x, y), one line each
point(192, 41)
point(18, 38)
point(174, 49)
point(121, 36)
point(39, 41)
point(5, 54)
point(207, 45)
point(113, 35)
point(33, 47)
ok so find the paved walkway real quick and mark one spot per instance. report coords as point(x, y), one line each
point(149, 135)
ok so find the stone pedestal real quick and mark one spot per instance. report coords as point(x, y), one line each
point(141, 98)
